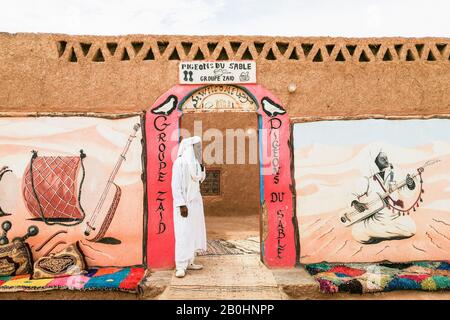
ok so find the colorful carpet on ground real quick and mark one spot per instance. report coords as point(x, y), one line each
point(115, 279)
point(362, 278)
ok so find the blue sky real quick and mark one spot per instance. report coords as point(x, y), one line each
point(348, 18)
point(406, 133)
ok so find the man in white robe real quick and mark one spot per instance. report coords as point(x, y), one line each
point(386, 224)
point(189, 220)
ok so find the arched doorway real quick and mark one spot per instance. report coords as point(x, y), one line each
point(276, 200)
point(227, 122)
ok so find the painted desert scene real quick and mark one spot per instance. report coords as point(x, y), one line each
point(48, 183)
point(337, 163)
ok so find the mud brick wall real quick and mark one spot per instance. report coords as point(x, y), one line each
point(334, 76)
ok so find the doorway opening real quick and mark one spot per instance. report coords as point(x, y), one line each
point(231, 191)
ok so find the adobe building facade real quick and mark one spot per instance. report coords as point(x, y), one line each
point(86, 92)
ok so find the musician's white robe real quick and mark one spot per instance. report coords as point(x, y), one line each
point(190, 232)
point(385, 224)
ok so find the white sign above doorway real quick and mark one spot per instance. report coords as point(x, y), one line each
point(217, 72)
point(219, 98)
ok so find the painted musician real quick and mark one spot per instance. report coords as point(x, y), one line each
point(387, 224)
point(189, 220)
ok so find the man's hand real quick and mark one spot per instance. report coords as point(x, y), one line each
point(360, 207)
point(410, 182)
point(184, 211)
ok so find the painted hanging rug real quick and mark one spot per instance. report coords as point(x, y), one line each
point(50, 188)
point(114, 279)
point(383, 277)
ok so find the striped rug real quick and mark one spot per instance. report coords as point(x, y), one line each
point(232, 247)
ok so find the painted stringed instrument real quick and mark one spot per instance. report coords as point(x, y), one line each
point(100, 220)
point(379, 202)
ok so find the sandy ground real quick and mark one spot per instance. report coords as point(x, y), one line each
point(232, 228)
point(245, 277)
point(230, 277)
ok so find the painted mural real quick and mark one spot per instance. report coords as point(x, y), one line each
point(162, 137)
point(65, 180)
point(373, 190)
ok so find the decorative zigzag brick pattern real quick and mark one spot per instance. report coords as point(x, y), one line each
point(294, 49)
